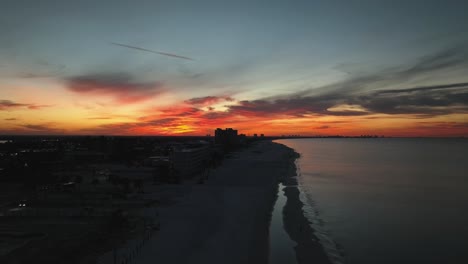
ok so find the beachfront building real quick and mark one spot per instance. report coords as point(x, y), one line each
point(227, 137)
point(189, 160)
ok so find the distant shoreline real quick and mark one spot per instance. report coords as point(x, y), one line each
point(266, 138)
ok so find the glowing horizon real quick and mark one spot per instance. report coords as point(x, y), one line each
point(277, 69)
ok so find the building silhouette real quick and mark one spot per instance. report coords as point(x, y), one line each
point(227, 137)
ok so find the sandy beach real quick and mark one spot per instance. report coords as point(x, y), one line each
point(226, 219)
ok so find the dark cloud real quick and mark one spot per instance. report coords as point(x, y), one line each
point(427, 100)
point(8, 104)
point(208, 100)
point(441, 62)
point(37, 127)
point(296, 107)
point(37, 106)
point(426, 88)
point(10, 119)
point(216, 115)
point(161, 122)
point(33, 129)
point(180, 111)
point(367, 93)
point(322, 127)
point(112, 129)
point(121, 86)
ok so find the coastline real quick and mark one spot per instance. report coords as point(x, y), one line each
point(227, 219)
point(296, 224)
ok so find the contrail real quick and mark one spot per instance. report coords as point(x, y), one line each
point(152, 51)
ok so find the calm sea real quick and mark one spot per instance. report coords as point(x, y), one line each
point(378, 201)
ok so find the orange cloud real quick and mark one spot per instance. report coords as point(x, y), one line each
point(187, 119)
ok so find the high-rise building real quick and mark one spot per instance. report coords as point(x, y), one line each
point(227, 137)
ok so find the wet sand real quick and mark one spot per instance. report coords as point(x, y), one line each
point(308, 249)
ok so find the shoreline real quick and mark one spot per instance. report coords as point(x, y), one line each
point(296, 224)
point(227, 219)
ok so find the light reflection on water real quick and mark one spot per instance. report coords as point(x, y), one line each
point(389, 200)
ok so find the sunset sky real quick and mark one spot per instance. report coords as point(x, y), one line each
point(316, 67)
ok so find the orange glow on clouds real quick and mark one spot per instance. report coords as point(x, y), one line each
point(100, 107)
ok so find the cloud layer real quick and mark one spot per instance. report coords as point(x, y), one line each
point(120, 86)
point(384, 93)
point(10, 105)
point(366, 94)
point(208, 100)
point(404, 93)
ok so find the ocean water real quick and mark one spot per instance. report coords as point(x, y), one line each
point(378, 201)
